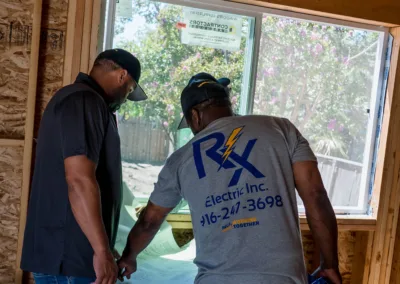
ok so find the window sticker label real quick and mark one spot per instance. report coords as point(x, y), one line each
point(211, 29)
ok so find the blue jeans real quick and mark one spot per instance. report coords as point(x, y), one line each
point(58, 279)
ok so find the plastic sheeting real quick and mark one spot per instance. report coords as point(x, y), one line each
point(163, 261)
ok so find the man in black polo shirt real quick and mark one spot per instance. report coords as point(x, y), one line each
point(76, 189)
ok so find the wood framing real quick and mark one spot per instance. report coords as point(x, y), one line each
point(11, 142)
point(29, 125)
point(387, 176)
point(372, 238)
point(351, 223)
point(82, 37)
point(374, 12)
point(73, 47)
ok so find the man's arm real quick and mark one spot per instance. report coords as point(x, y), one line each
point(141, 235)
point(82, 121)
point(320, 215)
point(84, 196)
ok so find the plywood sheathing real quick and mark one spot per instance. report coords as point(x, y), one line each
point(10, 191)
point(15, 39)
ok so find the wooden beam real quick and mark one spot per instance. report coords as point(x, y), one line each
point(395, 273)
point(374, 12)
point(94, 33)
point(29, 127)
point(86, 36)
point(387, 175)
point(360, 257)
point(368, 257)
point(74, 38)
point(345, 223)
point(82, 37)
point(12, 142)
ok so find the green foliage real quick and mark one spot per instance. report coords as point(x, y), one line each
point(167, 66)
point(320, 77)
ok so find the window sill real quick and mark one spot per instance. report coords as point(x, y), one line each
point(345, 222)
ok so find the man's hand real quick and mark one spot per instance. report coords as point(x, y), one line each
point(105, 267)
point(333, 275)
point(128, 265)
point(147, 226)
point(116, 254)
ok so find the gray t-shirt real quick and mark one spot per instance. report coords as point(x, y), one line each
point(237, 178)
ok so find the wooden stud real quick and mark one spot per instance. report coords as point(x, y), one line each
point(69, 43)
point(78, 38)
point(86, 38)
point(395, 273)
point(73, 47)
point(368, 257)
point(345, 223)
point(82, 37)
point(387, 177)
point(29, 125)
point(388, 15)
point(94, 36)
point(12, 142)
point(359, 260)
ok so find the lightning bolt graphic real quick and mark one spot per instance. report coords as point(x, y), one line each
point(230, 143)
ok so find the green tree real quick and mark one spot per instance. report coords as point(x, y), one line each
point(167, 65)
point(318, 76)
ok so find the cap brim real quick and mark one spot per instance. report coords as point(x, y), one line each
point(183, 124)
point(224, 81)
point(137, 95)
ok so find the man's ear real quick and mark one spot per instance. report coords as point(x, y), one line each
point(122, 75)
point(195, 118)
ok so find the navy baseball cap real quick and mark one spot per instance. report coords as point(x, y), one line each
point(202, 87)
point(131, 64)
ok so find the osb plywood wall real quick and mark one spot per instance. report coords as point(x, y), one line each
point(15, 43)
point(10, 185)
point(15, 39)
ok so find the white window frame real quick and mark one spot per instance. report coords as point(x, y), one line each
point(246, 105)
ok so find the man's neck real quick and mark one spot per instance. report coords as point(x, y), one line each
point(101, 80)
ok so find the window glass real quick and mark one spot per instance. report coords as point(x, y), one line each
point(323, 78)
point(154, 33)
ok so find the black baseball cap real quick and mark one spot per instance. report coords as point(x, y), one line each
point(202, 87)
point(131, 64)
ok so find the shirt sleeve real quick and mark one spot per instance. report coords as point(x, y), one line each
point(299, 146)
point(167, 191)
point(82, 123)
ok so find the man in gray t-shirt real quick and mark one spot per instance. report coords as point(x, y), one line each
point(239, 175)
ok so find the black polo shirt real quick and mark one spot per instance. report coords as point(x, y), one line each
point(77, 121)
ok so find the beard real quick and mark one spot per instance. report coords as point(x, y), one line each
point(118, 97)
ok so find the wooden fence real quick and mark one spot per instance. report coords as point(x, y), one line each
point(143, 141)
point(342, 180)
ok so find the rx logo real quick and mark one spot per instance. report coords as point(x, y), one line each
point(223, 153)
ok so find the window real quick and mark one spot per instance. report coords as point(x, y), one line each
point(155, 34)
point(325, 77)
